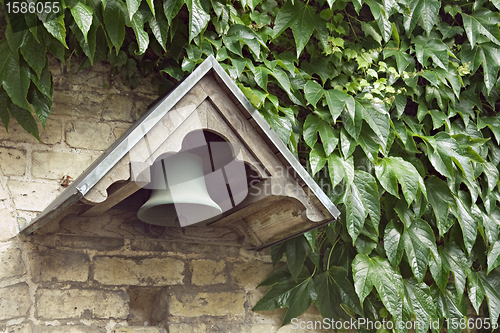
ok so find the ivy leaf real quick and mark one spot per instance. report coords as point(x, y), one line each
point(55, 26)
point(171, 8)
point(142, 36)
point(475, 290)
point(198, 18)
point(490, 286)
point(450, 306)
point(132, 7)
point(159, 27)
point(381, 15)
point(83, 17)
point(328, 135)
point(14, 79)
point(4, 112)
point(25, 119)
point(301, 18)
point(332, 286)
point(34, 54)
point(433, 48)
point(360, 200)
point(481, 22)
point(317, 159)
point(494, 257)
point(301, 298)
point(114, 21)
point(393, 170)
point(41, 103)
point(296, 255)
point(335, 168)
point(491, 173)
point(421, 304)
point(393, 242)
point(337, 100)
point(454, 261)
point(486, 55)
point(424, 11)
point(441, 200)
point(313, 92)
point(379, 123)
point(469, 221)
point(277, 297)
point(375, 271)
point(417, 240)
point(151, 6)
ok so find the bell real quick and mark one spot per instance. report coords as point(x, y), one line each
point(179, 193)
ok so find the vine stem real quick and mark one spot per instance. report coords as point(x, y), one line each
point(330, 255)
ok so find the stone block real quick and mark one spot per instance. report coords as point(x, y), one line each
point(207, 272)
point(78, 104)
point(14, 301)
point(8, 227)
point(89, 135)
point(26, 328)
point(138, 329)
point(56, 164)
point(12, 161)
point(208, 304)
point(33, 196)
point(11, 263)
point(81, 303)
point(118, 107)
point(249, 274)
point(50, 135)
point(70, 329)
point(187, 328)
point(138, 272)
point(60, 266)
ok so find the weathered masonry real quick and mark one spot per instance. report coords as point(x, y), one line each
point(88, 264)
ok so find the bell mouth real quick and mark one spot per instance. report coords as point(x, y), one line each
point(185, 214)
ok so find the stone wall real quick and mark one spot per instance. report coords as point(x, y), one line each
point(82, 284)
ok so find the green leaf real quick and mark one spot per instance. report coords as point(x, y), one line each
point(83, 17)
point(481, 22)
point(25, 119)
point(300, 300)
point(441, 200)
point(421, 304)
point(317, 159)
point(418, 240)
point(347, 144)
point(151, 6)
point(132, 7)
point(114, 21)
point(425, 12)
point(313, 92)
point(171, 8)
point(55, 26)
point(449, 306)
point(454, 261)
point(374, 271)
point(491, 286)
point(198, 18)
point(361, 199)
point(277, 297)
point(381, 15)
point(281, 125)
point(393, 170)
point(329, 136)
point(469, 221)
point(433, 48)
point(41, 103)
point(486, 55)
point(34, 54)
point(494, 257)
point(4, 112)
point(296, 255)
point(142, 36)
point(379, 123)
point(475, 290)
point(14, 79)
point(332, 286)
point(393, 242)
point(335, 168)
point(337, 100)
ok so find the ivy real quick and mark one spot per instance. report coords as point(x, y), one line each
point(391, 105)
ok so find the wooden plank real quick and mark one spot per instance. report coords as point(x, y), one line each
point(117, 223)
point(119, 194)
point(98, 193)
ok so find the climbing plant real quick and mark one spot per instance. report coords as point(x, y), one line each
point(392, 105)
